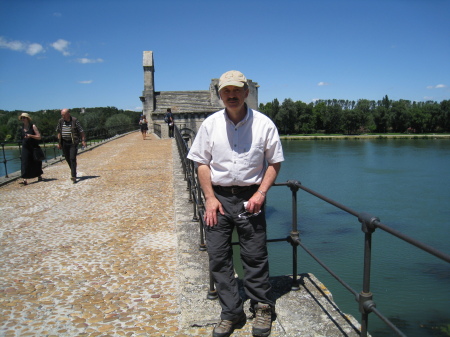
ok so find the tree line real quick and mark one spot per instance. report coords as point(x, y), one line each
point(322, 116)
point(355, 117)
point(46, 120)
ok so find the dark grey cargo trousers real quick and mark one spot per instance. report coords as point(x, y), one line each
point(254, 257)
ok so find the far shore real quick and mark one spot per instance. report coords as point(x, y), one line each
point(316, 137)
point(366, 136)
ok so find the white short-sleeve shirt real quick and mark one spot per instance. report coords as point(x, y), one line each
point(237, 154)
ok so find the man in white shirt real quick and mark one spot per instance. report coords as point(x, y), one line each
point(239, 155)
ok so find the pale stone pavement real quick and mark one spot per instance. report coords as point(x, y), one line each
point(116, 254)
point(98, 257)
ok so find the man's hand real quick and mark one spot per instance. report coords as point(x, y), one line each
point(212, 207)
point(255, 203)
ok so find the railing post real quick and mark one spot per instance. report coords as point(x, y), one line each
point(45, 150)
point(212, 292)
point(190, 179)
point(294, 235)
point(201, 211)
point(4, 160)
point(366, 304)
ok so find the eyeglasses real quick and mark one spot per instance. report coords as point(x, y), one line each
point(246, 214)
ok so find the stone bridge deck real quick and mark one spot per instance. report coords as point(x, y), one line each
point(116, 254)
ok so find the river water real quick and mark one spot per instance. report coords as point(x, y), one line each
point(405, 183)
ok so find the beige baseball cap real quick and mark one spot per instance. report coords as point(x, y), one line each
point(232, 77)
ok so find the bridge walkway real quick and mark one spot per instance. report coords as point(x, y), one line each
point(116, 254)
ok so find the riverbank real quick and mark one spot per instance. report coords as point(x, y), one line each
point(366, 136)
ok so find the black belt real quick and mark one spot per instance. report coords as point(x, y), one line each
point(235, 189)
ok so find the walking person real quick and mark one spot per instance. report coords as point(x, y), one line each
point(30, 136)
point(239, 155)
point(144, 126)
point(70, 133)
point(170, 122)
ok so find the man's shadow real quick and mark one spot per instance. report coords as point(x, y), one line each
point(86, 178)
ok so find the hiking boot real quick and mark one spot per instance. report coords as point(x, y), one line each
point(262, 323)
point(225, 327)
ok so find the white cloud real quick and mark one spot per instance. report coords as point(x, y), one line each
point(322, 83)
point(86, 82)
point(29, 48)
point(85, 60)
point(438, 86)
point(61, 46)
point(34, 48)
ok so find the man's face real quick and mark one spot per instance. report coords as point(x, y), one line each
point(233, 97)
point(65, 115)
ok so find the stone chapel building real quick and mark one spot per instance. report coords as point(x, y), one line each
point(189, 108)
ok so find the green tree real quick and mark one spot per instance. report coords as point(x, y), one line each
point(444, 119)
point(400, 115)
point(331, 115)
point(116, 122)
point(364, 109)
point(305, 120)
point(286, 117)
point(351, 121)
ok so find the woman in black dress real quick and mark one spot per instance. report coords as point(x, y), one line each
point(30, 136)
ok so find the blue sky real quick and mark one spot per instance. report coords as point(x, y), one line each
point(88, 53)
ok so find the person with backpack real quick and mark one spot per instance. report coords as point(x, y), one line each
point(70, 133)
point(144, 126)
point(168, 118)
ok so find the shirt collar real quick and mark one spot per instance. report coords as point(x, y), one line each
point(247, 117)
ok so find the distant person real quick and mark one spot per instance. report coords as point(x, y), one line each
point(144, 126)
point(70, 133)
point(170, 121)
point(239, 154)
point(30, 136)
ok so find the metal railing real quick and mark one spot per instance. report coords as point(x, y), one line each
point(369, 223)
point(49, 144)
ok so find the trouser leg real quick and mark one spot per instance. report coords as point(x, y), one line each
point(70, 153)
point(66, 151)
point(255, 261)
point(218, 242)
point(73, 160)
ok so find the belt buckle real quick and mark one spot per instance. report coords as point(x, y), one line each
point(235, 190)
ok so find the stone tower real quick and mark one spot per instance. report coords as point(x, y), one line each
point(147, 98)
